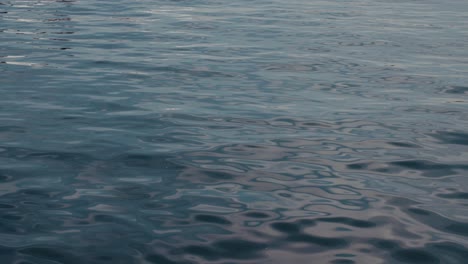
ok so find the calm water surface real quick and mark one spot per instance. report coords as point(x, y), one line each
point(208, 131)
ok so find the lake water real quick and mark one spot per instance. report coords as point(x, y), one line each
point(208, 131)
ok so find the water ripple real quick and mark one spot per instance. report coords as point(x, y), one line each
point(176, 131)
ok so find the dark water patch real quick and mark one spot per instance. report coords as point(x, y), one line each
point(455, 195)
point(134, 192)
point(316, 124)
point(342, 261)
point(38, 193)
point(104, 258)
point(436, 252)
point(109, 219)
point(10, 228)
point(358, 166)
point(31, 154)
point(50, 254)
point(4, 177)
point(326, 242)
point(212, 219)
point(449, 252)
point(430, 169)
point(422, 167)
point(307, 222)
point(220, 175)
point(7, 254)
point(402, 202)
point(414, 256)
point(456, 90)
point(211, 176)
point(238, 248)
point(12, 129)
point(446, 137)
point(202, 251)
point(160, 259)
point(155, 205)
point(384, 244)
point(146, 161)
point(287, 228)
point(430, 218)
point(230, 249)
point(259, 215)
point(403, 144)
point(439, 222)
point(13, 217)
point(7, 206)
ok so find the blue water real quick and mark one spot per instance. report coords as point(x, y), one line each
point(207, 131)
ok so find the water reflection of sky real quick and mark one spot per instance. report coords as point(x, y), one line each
point(240, 132)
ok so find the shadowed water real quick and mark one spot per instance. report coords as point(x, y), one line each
point(237, 131)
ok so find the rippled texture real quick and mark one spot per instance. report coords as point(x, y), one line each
point(239, 131)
